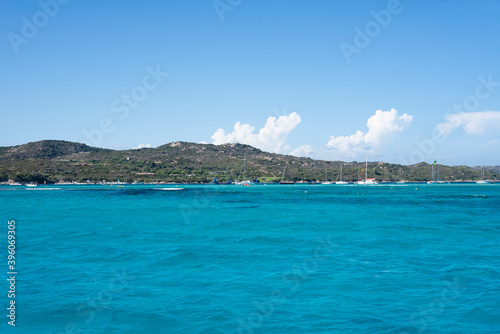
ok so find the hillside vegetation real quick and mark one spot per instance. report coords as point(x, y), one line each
point(62, 161)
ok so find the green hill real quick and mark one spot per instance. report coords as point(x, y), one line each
point(58, 161)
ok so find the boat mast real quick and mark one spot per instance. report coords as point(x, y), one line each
point(360, 174)
point(244, 160)
point(283, 176)
point(341, 172)
point(366, 168)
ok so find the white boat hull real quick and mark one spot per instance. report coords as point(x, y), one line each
point(367, 182)
point(245, 183)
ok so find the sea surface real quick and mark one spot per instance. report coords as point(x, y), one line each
point(267, 259)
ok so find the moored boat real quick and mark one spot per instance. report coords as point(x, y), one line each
point(283, 180)
point(245, 182)
point(483, 181)
point(340, 182)
point(367, 181)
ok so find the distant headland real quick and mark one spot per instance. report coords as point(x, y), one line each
point(56, 161)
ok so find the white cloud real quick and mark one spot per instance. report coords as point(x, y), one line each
point(271, 138)
point(381, 127)
point(473, 123)
point(384, 123)
point(490, 144)
point(302, 151)
point(141, 146)
point(355, 142)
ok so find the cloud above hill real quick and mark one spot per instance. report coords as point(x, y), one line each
point(381, 127)
point(141, 146)
point(271, 138)
point(473, 123)
point(302, 151)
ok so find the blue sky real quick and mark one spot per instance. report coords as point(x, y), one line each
point(432, 66)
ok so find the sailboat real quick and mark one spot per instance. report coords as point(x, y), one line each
point(401, 181)
point(283, 181)
point(432, 181)
point(435, 175)
point(438, 180)
point(243, 181)
point(326, 178)
point(483, 181)
point(340, 182)
point(367, 181)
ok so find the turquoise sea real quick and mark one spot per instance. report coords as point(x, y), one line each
point(263, 259)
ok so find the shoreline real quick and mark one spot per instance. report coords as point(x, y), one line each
point(211, 184)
